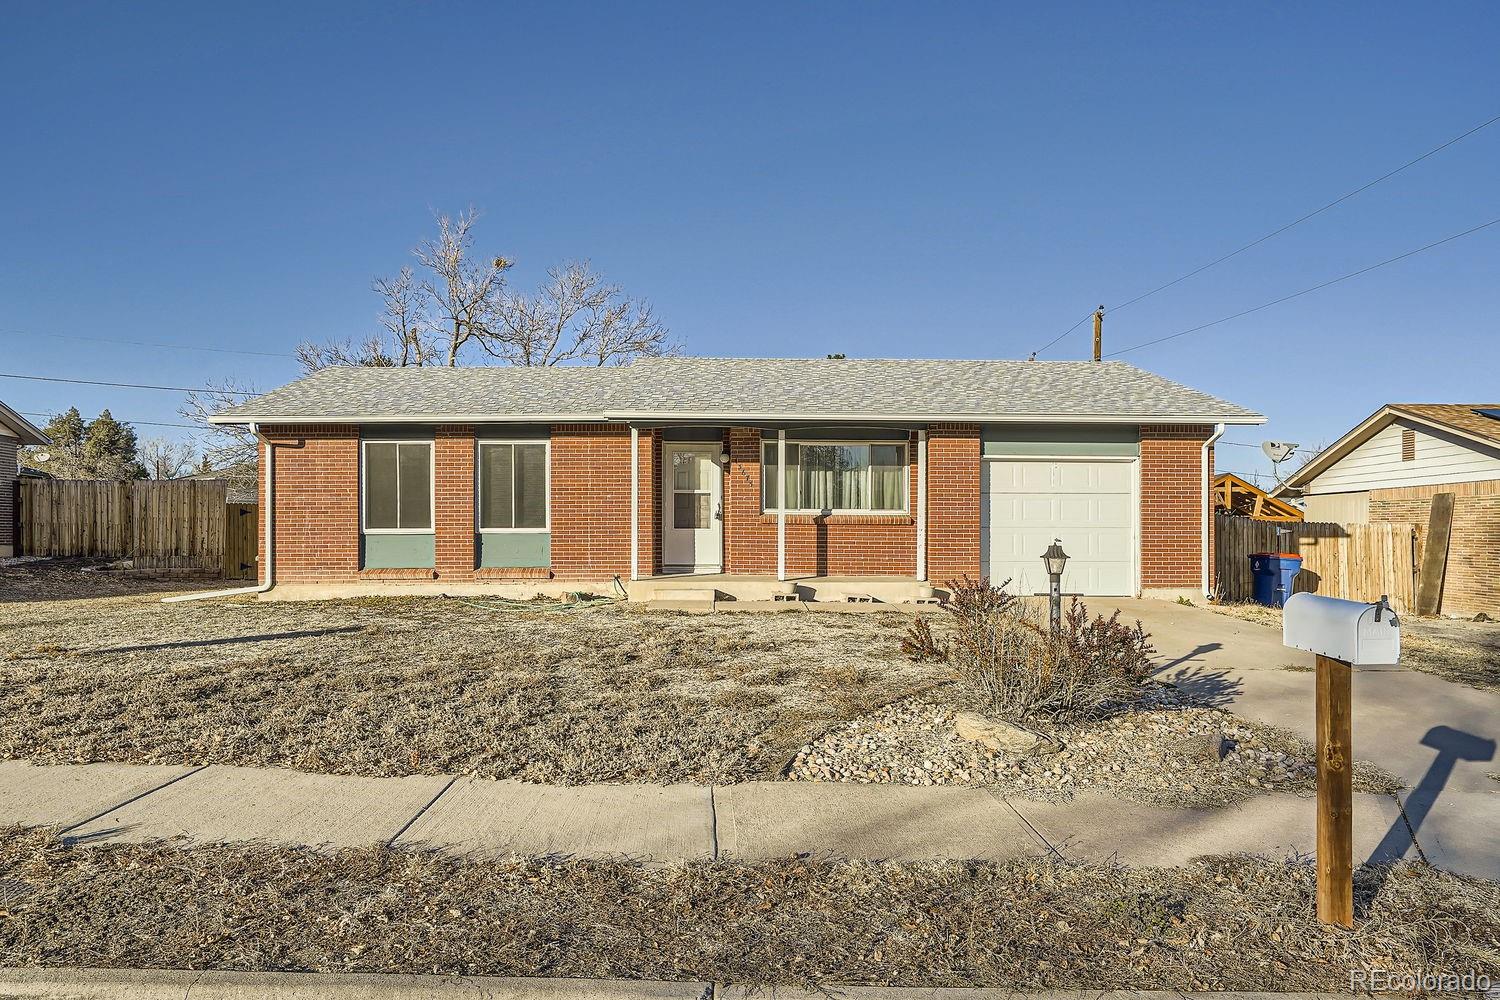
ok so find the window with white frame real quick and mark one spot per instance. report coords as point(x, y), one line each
point(513, 486)
point(397, 486)
point(845, 477)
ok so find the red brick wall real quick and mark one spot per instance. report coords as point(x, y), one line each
point(317, 508)
point(649, 524)
point(836, 545)
point(1471, 580)
point(453, 501)
point(591, 500)
point(1172, 505)
point(317, 502)
point(953, 483)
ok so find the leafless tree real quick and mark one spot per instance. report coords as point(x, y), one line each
point(433, 314)
point(465, 293)
point(575, 317)
point(407, 339)
point(369, 353)
point(229, 446)
point(166, 459)
point(405, 317)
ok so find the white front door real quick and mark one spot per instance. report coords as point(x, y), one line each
point(692, 511)
point(1089, 504)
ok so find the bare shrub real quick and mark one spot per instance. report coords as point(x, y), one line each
point(1004, 651)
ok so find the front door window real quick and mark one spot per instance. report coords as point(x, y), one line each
point(693, 514)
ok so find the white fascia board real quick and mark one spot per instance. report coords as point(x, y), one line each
point(981, 418)
point(617, 416)
point(423, 418)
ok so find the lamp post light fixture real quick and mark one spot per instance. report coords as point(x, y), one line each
point(1055, 559)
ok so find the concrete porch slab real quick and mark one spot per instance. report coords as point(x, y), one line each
point(1104, 828)
point(270, 804)
point(65, 794)
point(766, 819)
point(496, 818)
point(733, 587)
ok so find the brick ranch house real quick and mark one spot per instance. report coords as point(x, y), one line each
point(1390, 466)
point(15, 431)
point(747, 476)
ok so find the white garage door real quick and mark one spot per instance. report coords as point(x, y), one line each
point(1090, 505)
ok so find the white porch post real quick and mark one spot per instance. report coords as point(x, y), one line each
point(781, 504)
point(922, 505)
point(635, 502)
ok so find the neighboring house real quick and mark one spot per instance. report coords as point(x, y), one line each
point(239, 482)
point(15, 431)
point(896, 472)
point(1233, 495)
point(1390, 466)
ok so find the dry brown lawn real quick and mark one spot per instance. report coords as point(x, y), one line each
point(1217, 924)
point(427, 685)
point(1466, 652)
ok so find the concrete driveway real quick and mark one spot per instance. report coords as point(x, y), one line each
point(1439, 737)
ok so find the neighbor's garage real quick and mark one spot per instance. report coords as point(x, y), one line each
point(1073, 484)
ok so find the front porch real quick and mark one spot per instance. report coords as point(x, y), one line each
point(732, 587)
point(815, 512)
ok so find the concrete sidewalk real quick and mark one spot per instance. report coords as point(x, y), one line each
point(164, 984)
point(96, 803)
point(1439, 737)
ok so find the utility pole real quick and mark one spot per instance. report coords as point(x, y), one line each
point(1099, 334)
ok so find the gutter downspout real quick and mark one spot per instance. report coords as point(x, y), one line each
point(1208, 504)
point(269, 508)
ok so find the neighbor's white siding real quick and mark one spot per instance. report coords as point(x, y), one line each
point(1377, 464)
point(1341, 508)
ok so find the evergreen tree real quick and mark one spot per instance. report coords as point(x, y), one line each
point(110, 449)
point(63, 458)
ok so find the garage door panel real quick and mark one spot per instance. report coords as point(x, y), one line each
point(1113, 510)
point(1090, 506)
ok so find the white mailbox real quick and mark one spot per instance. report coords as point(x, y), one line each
point(1360, 634)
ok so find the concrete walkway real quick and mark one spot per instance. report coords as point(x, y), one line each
point(162, 984)
point(96, 803)
point(1439, 737)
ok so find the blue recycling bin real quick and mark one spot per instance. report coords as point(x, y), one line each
point(1272, 574)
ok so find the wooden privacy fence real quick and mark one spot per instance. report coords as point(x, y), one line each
point(1358, 562)
point(176, 524)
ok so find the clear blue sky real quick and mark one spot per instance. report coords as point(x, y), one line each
point(960, 180)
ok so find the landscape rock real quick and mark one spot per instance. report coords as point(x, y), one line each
point(1001, 737)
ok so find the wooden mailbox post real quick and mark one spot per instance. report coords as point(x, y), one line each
point(1343, 634)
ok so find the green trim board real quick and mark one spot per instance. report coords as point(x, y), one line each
point(1060, 440)
point(401, 550)
point(498, 549)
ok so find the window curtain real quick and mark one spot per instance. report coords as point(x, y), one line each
point(837, 476)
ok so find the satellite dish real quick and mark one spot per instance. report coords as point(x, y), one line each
point(42, 457)
point(1278, 451)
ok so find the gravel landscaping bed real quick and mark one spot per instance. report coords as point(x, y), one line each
point(1164, 752)
point(1466, 652)
point(1219, 924)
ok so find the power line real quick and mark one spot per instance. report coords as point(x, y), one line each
point(1060, 336)
point(130, 385)
point(143, 343)
point(142, 423)
point(1296, 222)
point(1314, 288)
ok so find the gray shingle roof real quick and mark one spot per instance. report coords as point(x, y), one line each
point(743, 389)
